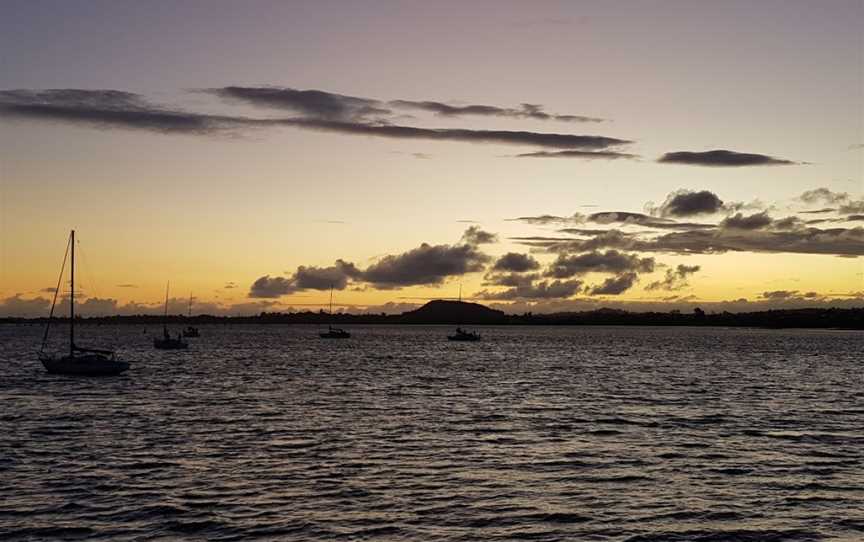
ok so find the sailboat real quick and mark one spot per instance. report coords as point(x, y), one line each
point(167, 342)
point(191, 331)
point(79, 361)
point(333, 332)
point(461, 334)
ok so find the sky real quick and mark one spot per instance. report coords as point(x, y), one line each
point(538, 155)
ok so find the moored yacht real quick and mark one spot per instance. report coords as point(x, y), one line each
point(333, 332)
point(167, 342)
point(79, 361)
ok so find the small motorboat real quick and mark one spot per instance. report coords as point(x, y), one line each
point(462, 335)
point(334, 333)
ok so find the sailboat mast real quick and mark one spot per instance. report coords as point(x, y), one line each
point(190, 304)
point(72, 298)
point(165, 317)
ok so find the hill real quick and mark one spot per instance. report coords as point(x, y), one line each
point(453, 312)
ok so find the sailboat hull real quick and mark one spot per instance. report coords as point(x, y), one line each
point(464, 338)
point(335, 335)
point(170, 344)
point(86, 365)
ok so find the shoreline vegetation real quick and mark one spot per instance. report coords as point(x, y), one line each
point(440, 312)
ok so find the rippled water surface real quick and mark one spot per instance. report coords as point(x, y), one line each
point(598, 433)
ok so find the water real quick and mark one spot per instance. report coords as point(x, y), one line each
point(267, 432)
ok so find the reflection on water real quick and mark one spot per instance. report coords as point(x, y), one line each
point(625, 434)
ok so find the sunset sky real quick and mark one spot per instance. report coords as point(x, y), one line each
point(544, 155)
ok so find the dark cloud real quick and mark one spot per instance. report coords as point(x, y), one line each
point(722, 158)
point(475, 236)
point(611, 261)
point(556, 289)
point(616, 285)
point(584, 155)
point(755, 221)
point(540, 139)
point(855, 218)
point(541, 240)
point(543, 220)
point(426, 264)
point(324, 278)
point(683, 203)
point(108, 109)
point(270, 287)
point(780, 294)
point(117, 109)
point(837, 241)
point(585, 231)
point(513, 261)
point(530, 111)
point(127, 285)
point(329, 105)
point(306, 278)
point(639, 219)
point(602, 239)
point(799, 240)
point(675, 279)
point(229, 285)
point(314, 103)
point(48, 290)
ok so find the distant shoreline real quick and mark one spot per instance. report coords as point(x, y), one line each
point(471, 314)
point(245, 322)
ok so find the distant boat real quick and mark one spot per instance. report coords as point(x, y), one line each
point(79, 361)
point(461, 334)
point(167, 342)
point(334, 332)
point(191, 331)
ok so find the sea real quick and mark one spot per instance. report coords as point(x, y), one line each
point(266, 432)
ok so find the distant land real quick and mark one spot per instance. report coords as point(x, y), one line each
point(441, 312)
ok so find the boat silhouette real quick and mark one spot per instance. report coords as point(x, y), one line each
point(79, 361)
point(167, 342)
point(333, 332)
point(461, 334)
point(191, 331)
